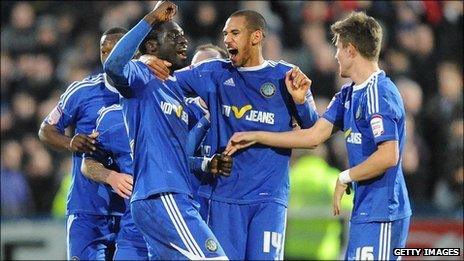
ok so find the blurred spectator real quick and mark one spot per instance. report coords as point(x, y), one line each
point(445, 106)
point(39, 171)
point(18, 35)
point(16, 196)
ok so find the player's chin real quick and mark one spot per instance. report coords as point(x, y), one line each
point(181, 61)
point(235, 62)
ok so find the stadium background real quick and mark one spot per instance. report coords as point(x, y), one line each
point(46, 45)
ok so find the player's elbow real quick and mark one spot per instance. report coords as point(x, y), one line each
point(390, 154)
point(393, 158)
point(43, 132)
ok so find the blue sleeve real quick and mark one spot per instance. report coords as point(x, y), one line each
point(307, 113)
point(195, 164)
point(335, 111)
point(195, 80)
point(196, 135)
point(195, 111)
point(383, 113)
point(123, 72)
point(66, 111)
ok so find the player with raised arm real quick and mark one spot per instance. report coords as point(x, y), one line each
point(371, 114)
point(161, 203)
point(248, 92)
point(93, 210)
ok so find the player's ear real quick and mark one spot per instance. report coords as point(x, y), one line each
point(151, 46)
point(257, 37)
point(352, 50)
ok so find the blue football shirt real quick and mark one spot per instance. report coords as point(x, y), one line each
point(369, 114)
point(79, 106)
point(246, 99)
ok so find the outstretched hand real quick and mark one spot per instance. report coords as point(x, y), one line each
point(156, 65)
point(240, 140)
point(297, 84)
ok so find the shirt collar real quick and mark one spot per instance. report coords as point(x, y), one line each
point(253, 68)
point(366, 82)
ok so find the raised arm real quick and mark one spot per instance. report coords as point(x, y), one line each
point(116, 66)
point(298, 86)
point(304, 139)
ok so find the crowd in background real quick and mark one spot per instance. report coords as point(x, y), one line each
point(46, 45)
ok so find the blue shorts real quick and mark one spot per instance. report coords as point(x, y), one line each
point(91, 237)
point(376, 240)
point(248, 231)
point(174, 229)
point(130, 244)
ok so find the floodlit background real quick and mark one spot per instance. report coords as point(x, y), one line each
point(46, 45)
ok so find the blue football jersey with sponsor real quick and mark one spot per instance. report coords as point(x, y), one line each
point(79, 106)
point(157, 122)
point(244, 99)
point(369, 114)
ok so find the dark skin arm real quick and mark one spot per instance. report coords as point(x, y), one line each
point(51, 136)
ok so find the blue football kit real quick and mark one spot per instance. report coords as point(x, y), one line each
point(115, 154)
point(369, 114)
point(92, 210)
point(157, 123)
point(254, 198)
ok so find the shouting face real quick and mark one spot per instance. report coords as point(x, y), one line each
point(238, 40)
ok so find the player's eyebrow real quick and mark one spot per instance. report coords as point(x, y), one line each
point(232, 31)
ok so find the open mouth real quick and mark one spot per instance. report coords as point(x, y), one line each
point(182, 53)
point(232, 53)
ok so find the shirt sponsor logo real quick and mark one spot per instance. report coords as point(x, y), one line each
point(246, 112)
point(178, 110)
point(377, 125)
point(353, 137)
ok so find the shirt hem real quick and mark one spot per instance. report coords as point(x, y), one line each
point(243, 201)
point(81, 211)
point(381, 219)
point(154, 192)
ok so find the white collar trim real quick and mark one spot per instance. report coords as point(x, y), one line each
point(108, 85)
point(253, 68)
point(366, 82)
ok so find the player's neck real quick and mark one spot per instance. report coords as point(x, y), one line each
point(255, 59)
point(363, 70)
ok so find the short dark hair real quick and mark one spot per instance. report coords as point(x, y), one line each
point(255, 20)
point(361, 30)
point(153, 34)
point(209, 46)
point(115, 30)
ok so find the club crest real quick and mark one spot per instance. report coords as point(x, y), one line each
point(211, 245)
point(268, 90)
